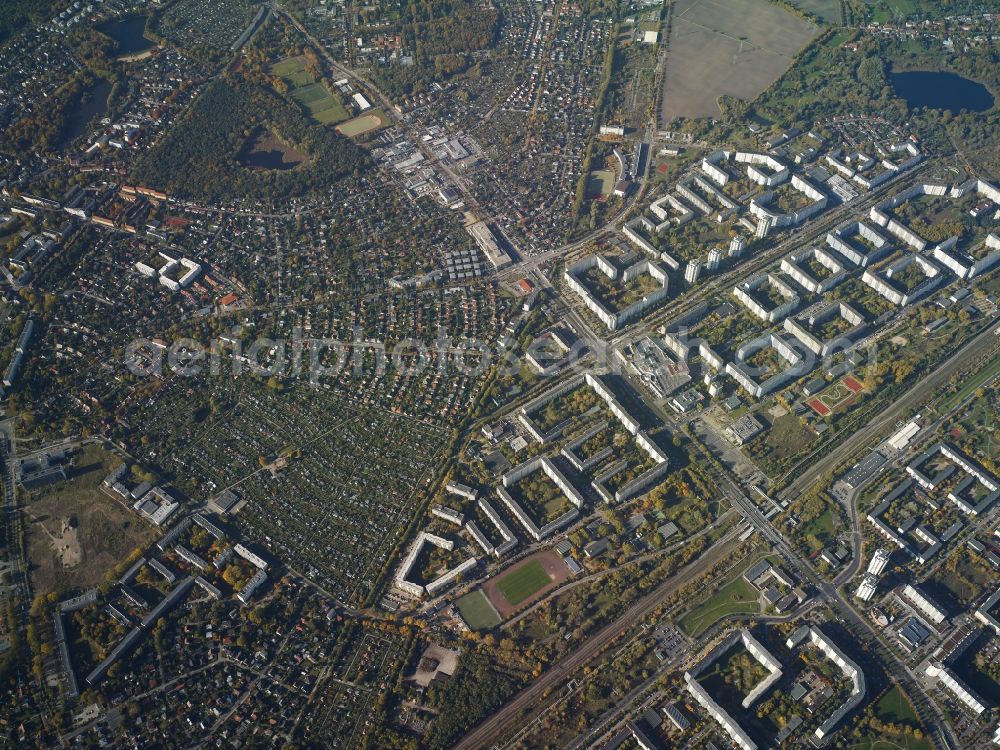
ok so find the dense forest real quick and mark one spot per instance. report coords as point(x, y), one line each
point(441, 27)
point(440, 34)
point(198, 159)
point(475, 692)
point(15, 14)
point(401, 81)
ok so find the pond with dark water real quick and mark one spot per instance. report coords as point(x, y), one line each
point(128, 34)
point(941, 90)
point(265, 151)
point(93, 104)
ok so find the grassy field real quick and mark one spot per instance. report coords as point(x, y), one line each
point(787, 436)
point(893, 10)
point(288, 67)
point(967, 581)
point(736, 48)
point(902, 743)
point(666, 168)
point(330, 116)
point(293, 71)
point(312, 95)
point(894, 708)
point(541, 498)
point(986, 375)
point(977, 428)
point(828, 10)
point(736, 597)
point(477, 611)
point(366, 123)
point(75, 532)
point(822, 528)
point(600, 182)
point(523, 582)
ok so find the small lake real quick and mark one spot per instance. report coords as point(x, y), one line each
point(93, 104)
point(265, 151)
point(127, 33)
point(940, 90)
point(273, 159)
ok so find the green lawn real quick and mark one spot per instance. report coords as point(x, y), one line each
point(977, 428)
point(298, 78)
point(736, 597)
point(331, 115)
point(288, 66)
point(981, 378)
point(894, 708)
point(600, 182)
point(523, 582)
point(892, 10)
point(293, 72)
point(314, 92)
point(903, 743)
point(828, 10)
point(477, 611)
point(541, 498)
point(822, 528)
point(319, 102)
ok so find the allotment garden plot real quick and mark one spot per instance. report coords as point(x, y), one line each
point(342, 713)
point(328, 485)
point(206, 24)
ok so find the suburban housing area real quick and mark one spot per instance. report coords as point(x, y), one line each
point(500, 374)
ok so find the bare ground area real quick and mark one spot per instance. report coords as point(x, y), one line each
point(76, 532)
point(727, 47)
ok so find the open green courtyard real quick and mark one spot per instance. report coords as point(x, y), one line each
point(894, 708)
point(600, 183)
